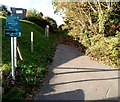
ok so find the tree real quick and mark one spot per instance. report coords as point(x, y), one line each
point(34, 13)
point(40, 14)
point(37, 17)
point(4, 11)
point(85, 16)
point(3, 8)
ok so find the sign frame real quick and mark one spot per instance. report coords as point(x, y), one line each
point(12, 28)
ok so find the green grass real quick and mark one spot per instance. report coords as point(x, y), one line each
point(31, 70)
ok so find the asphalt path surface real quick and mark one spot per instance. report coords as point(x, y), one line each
point(73, 76)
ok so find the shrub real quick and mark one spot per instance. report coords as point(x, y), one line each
point(104, 49)
point(37, 17)
point(39, 21)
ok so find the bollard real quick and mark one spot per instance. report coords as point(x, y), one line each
point(31, 41)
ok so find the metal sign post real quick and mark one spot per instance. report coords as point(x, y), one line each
point(15, 51)
point(12, 58)
point(13, 30)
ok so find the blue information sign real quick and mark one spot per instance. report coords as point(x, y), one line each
point(12, 28)
point(13, 34)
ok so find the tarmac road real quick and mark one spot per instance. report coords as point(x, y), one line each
point(73, 76)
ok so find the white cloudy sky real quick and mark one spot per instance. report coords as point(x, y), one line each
point(44, 6)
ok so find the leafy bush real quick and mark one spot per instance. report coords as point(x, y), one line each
point(83, 37)
point(105, 50)
point(39, 21)
point(113, 21)
point(36, 17)
point(34, 13)
point(52, 23)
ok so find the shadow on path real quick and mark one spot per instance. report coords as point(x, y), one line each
point(64, 54)
point(88, 70)
point(86, 81)
point(71, 95)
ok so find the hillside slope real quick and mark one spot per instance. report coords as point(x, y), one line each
point(30, 71)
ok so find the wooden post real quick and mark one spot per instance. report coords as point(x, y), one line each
point(47, 31)
point(15, 51)
point(31, 41)
point(19, 53)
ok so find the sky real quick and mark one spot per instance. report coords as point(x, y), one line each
point(44, 6)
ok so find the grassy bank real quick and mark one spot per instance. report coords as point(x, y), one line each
point(31, 70)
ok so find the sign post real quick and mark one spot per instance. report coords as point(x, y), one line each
point(15, 51)
point(13, 30)
point(12, 58)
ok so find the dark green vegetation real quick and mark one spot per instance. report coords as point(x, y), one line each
point(3, 10)
point(37, 17)
point(31, 70)
point(96, 26)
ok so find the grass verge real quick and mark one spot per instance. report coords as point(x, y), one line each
point(31, 70)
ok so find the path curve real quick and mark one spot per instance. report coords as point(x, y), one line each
point(73, 76)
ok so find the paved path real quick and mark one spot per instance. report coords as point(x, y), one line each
point(73, 76)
